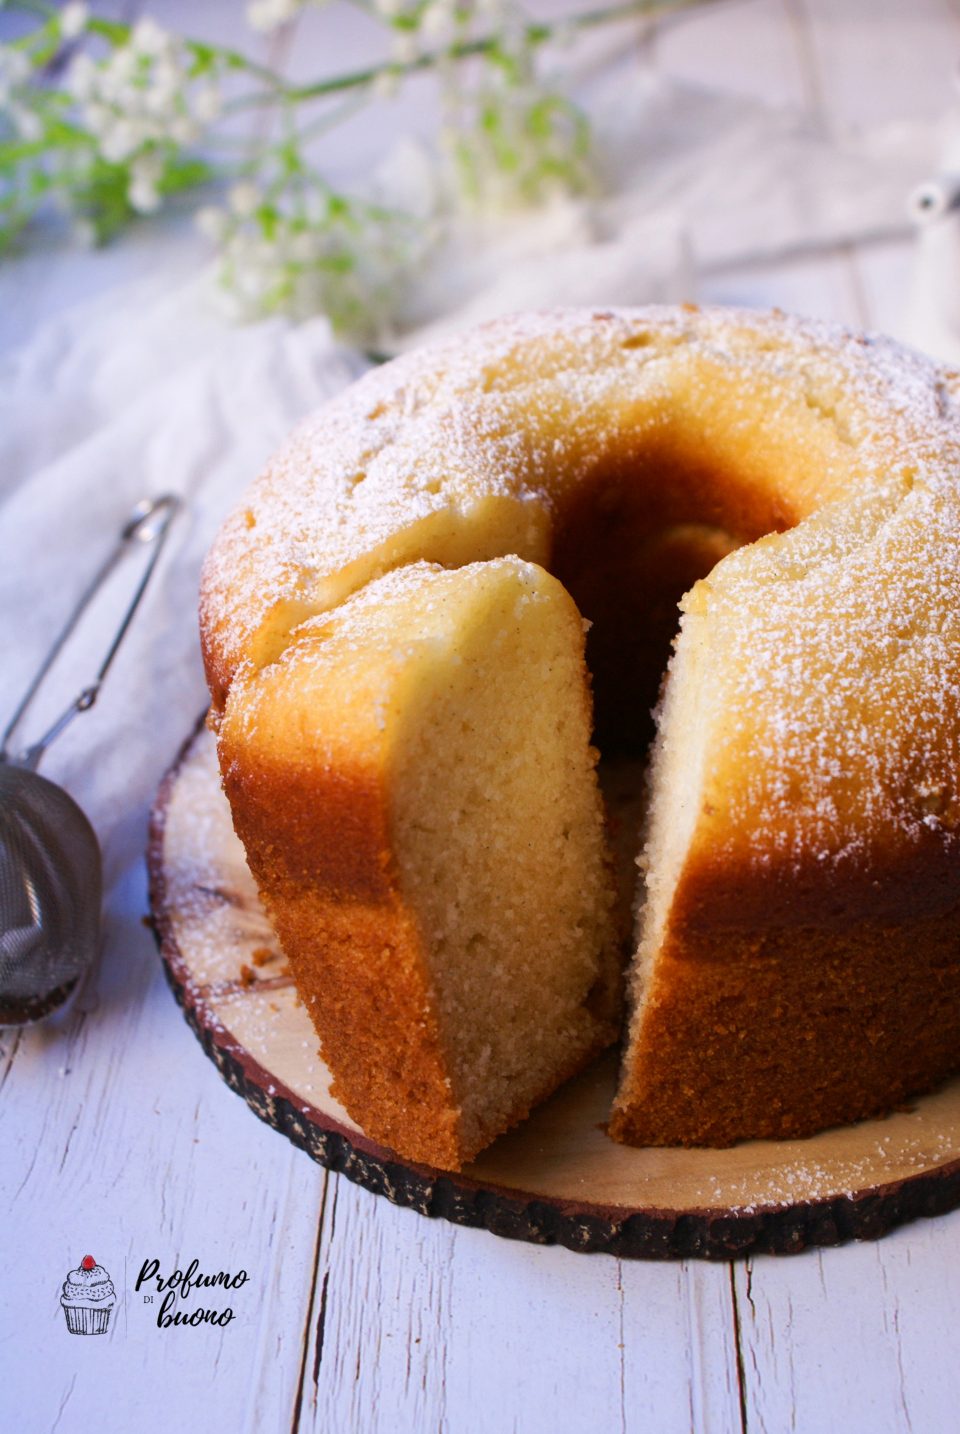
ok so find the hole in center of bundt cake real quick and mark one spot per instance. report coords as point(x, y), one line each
point(628, 545)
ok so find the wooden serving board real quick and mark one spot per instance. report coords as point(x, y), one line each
point(557, 1178)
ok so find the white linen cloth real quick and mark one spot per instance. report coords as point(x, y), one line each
point(141, 388)
point(150, 397)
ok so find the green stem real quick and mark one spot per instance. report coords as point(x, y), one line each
point(535, 33)
point(118, 31)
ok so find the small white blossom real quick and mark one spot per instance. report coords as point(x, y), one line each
point(150, 39)
point(244, 199)
point(14, 66)
point(99, 117)
point(208, 104)
point(438, 22)
point(385, 85)
point(123, 67)
point(183, 129)
point(144, 197)
point(15, 97)
point(405, 48)
point(322, 258)
point(266, 15)
point(119, 140)
point(115, 85)
point(213, 223)
point(141, 103)
point(82, 77)
point(73, 19)
point(10, 76)
point(27, 122)
point(147, 168)
point(163, 91)
point(302, 246)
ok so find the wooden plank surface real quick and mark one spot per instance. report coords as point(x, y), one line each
point(117, 1134)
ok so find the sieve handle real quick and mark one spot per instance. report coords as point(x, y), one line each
point(147, 525)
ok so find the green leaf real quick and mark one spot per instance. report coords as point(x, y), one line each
point(268, 217)
point(185, 173)
point(204, 57)
point(337, 263)
point(113, 30)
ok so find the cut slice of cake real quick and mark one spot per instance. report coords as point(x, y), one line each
point(415, 788)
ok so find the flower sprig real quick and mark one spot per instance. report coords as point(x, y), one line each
point(107, 122)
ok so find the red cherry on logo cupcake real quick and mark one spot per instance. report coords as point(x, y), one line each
point(88, 1263)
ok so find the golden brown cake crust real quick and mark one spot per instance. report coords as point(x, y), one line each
point(331, 893)
point(777, 1033)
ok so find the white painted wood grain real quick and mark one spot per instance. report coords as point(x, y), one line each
point(860, 1338)
point(879, 62)
point(119, 1139)
point(746, 48)
point(420, 1325)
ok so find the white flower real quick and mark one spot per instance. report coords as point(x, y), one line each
point(385, 85)
point(183, 129)
point(82, 77)
point(144, 197)
point(99, 117)
point(146, 172)
point(438, 22)
point(148, 167)
point(405, 48)
point(116, 85)
point(159, 100)
point(302, 247)
point(14, 66)
point(142, 95)
point(150, 39)
point(166, 79)
point(119, 140)
point(207, 103)
point(123, 65)
point(266, 15)
point(244, 199)
point(27, 122)
point(73, 19)
point(14, 72)
point(213, 223)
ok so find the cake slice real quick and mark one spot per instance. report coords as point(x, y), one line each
point(415, 788)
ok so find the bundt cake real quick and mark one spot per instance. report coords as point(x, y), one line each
point(403, 712)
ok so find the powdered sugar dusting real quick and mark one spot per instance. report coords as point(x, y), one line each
point(518, 410)
point(858, 608)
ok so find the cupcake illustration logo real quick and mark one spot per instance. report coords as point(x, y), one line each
point(88, 1298)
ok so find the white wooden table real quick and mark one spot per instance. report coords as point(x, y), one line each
point(119, 1137)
